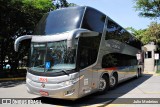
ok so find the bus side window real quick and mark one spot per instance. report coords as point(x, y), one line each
point(88, 56)
point(88, 50)
point(118, 60)
point(84, 62)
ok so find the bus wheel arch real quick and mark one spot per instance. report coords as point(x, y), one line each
point(113, 80)
point(104, 83)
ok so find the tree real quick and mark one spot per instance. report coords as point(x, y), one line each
point(152, 33)
point(16, 14)
point(148, 8)
point(17, 18)
point(62, 3)
point(72, 5)
point(139, 34)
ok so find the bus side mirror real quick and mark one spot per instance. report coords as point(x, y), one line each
point(19, 39)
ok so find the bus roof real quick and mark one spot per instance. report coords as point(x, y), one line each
point(66, 19)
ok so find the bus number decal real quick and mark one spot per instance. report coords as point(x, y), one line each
point(43, 79)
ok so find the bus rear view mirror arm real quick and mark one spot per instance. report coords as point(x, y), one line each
point(19, 39)
point(86, 33)
point(79, 33)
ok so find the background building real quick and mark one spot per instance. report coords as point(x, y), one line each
point(150, 61)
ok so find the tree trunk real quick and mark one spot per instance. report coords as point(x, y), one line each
point(1, 54)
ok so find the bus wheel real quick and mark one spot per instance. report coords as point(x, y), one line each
point(113, 81)
point(104, 84)
point(140, 72)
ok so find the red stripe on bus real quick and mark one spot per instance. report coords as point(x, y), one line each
point(113, 68)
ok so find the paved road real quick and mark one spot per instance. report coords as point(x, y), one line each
point(147, 86)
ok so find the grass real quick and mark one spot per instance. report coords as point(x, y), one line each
point(158, 72)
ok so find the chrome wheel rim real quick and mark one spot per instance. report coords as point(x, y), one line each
point(112, 81)
point(102, 84)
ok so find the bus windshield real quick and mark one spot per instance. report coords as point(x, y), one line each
point(52, 57)
point(59, 21)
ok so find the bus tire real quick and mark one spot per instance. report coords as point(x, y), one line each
point(138, 73)
point(113, 81)
point(104, 84)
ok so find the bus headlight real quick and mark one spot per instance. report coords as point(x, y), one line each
point(72, 81)
point(28, 80)
point(66, 83)
point(69, 82)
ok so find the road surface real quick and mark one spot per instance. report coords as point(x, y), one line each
point(147, 86)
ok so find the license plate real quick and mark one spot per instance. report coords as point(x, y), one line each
point(43, 93)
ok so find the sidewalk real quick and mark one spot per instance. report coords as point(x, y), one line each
point(152, 73)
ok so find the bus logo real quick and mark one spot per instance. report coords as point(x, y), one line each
point(43, 85)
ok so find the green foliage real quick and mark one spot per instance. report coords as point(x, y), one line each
point(158, 72)
point(38, 4)
point(138, 33)
point(148, 8)
point(152, 33)
point(17, 18)
point(62, 3)
point(72, 5)
point(16, 14)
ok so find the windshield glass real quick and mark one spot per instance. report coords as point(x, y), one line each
point(59, 21)
point(52, 57)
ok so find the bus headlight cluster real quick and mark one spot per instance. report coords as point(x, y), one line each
point(69, 82)
point(72, 81)
point(28, 80)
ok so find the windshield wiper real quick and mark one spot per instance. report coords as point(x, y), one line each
point(48, 70)
point(65, 71)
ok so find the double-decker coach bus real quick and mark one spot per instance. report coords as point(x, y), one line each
point(77, 51)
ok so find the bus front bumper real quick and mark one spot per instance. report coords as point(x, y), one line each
point(69, 92)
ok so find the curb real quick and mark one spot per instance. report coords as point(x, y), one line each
point(152, 73)
point(12, 79)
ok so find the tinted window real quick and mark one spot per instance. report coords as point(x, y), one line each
point(93, 20)
point(59, 21)
point(114, 31)
point(135, 43)
point(117, 60)
point(88, 50)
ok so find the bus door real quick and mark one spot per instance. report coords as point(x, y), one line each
point(85, 66)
